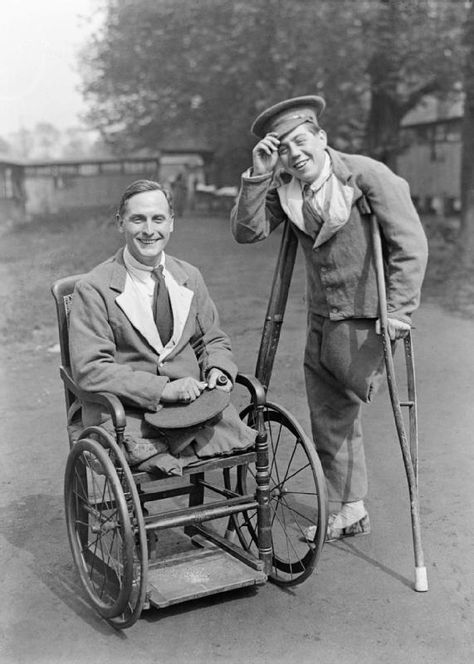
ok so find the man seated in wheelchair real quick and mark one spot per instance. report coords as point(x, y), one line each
point(142, 326)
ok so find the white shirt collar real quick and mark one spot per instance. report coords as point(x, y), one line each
point(137, 269)
point(323, 176)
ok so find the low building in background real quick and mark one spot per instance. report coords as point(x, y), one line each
point(68, 186)
point(56, 187)
point(431, 155)
point(430, 160)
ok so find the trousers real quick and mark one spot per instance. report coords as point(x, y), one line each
point(343, 368)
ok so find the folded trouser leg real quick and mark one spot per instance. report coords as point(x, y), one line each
point(336, 423)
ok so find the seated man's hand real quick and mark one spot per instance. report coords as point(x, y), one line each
point(218, 379)
point(396, 329)
point(182, 390)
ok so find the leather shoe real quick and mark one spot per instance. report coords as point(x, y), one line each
point(361, 527)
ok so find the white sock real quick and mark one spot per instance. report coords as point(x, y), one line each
point(350, 513)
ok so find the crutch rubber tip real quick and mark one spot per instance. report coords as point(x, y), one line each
point(421, 579)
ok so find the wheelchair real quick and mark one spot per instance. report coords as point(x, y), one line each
point(141, 540)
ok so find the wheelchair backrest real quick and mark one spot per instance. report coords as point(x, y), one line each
point(62, 290)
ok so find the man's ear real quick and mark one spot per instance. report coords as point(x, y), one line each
point(323, 136)
point(119, 221)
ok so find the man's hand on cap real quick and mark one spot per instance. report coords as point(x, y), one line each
point(265, 154)
point(182, 390)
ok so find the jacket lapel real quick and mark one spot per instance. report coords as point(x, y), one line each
point(291, 199)
point(337, 210)
point(346, 190)
point(138, 311)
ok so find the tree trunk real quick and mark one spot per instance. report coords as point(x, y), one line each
point(466, 236)
point(383, 127)
point(383, 121)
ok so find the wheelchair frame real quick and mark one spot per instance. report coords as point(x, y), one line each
point(253, 532)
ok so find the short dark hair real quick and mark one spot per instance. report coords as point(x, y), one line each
point(139, 187)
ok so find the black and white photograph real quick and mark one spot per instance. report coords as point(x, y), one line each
point(237, 332)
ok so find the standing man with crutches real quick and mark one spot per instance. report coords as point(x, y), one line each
point(295, 176)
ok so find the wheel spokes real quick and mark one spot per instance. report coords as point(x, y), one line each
point(297, 497)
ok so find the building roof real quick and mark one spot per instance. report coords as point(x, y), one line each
point(11, 160)
point(432, 109)
point(90, 160)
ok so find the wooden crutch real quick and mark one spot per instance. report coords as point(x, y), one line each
point(276, 305)
point(409, 451)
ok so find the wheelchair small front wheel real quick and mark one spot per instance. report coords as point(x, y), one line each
point(99, 528)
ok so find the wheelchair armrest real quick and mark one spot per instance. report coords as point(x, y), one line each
point(255, 387)
point(110, 401)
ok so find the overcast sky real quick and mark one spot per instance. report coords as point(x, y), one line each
point(38, 46)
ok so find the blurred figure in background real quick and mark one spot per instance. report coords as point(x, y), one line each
point(180, 194)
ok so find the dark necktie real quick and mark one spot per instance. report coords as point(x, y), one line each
point(161, 306)
point(311, 218)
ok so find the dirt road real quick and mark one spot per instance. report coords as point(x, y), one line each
point(359, 607)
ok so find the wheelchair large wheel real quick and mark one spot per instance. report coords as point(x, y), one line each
point(136, 600)
point(298, 498)
point(99, 528)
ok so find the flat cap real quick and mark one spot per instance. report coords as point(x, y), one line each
point(181, 415)
point(286, 115)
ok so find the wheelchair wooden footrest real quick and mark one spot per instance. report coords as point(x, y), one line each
point(208, 570)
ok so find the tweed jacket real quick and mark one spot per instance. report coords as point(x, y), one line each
point(115, 346)
point(340, 269)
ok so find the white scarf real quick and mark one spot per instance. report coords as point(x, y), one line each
point(332, 200)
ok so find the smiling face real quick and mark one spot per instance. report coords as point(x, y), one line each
point(147, 223)
point(302, 152)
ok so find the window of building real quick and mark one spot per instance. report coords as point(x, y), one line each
point(89, 169)
point(112, 167)
point(68, 169)
point(8, 183)
point(453, 134)
point(139, 166)
point(440, 133)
